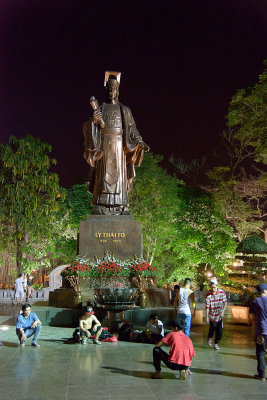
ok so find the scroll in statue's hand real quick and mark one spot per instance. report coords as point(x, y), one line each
point(97, 117)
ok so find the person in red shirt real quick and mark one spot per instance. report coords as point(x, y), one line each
point(181, 352)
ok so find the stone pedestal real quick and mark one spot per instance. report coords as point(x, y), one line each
point(66, 298)
point(119, 235)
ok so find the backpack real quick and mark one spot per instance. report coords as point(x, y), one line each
point(125, 332)
point(76, 337)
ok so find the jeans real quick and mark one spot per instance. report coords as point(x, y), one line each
point(160, 355)
point(186, 319)
point(28, 332)
point(216, 327)
point(260, 354)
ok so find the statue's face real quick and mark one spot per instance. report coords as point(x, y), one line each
point(113, 91)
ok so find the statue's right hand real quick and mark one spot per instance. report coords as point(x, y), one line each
point(97, 117)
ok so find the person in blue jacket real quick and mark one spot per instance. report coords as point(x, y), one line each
point(28, 324)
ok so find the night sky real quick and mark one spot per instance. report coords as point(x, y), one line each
point(181, 62)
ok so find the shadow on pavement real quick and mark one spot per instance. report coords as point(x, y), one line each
point(147, 374)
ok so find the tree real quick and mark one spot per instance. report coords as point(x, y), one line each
point(253, 245)
point(249, 267)
point(248, 116)
point(154, 202)
point(77, 205)
point(237, 182)
point(181, 227)
point(203, 237)
point(30, 195)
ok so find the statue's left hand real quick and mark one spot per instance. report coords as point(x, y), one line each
point(145, 146)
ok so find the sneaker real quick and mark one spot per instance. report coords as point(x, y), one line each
point(182, 375)
point(83, 341)
point(156, 375)
point(210, 341)
point(22, 343)
point(96, 341)
point(34, 344)
point(216, 347)
point(260, 378)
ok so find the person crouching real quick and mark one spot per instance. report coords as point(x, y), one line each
point(87, 329)
point(181, 352)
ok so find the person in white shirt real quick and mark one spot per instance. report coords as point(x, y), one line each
point(19, 288)
point(154, 330)
point(182, 305)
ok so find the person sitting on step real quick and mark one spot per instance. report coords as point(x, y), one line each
point(89, 326)
point(154, 330)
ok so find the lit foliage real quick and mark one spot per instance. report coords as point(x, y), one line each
point(239, 185)
point(181, 227)
point(248, 115)
point(154, 202)
point(253, 245)
point(30, 195)
point(202, 236)
point(76, 207)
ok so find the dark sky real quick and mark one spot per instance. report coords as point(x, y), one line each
point(181, 62)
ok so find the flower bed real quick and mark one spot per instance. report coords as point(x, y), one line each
point(109, 267)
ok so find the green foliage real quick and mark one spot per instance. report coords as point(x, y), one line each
point(154, 201)
point(30, 195)
point(76, 207)
point(181, 227)
point(248, 115)
point(79, 203)
point(239, 185)
point(253, 245)
point(203, 237)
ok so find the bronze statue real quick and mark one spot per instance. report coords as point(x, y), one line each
point(113, 148)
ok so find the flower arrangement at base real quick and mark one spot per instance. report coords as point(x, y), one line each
point(108, 268)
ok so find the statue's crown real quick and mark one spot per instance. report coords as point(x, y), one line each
point(114, 76)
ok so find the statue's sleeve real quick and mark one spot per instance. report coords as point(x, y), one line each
point(92, 143)
point(134, 141)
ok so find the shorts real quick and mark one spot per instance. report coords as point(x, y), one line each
point(91, 331)
point(19, 294)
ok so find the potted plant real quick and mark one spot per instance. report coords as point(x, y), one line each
point(108, 271)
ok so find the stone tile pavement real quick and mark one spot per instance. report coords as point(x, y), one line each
point(61, 371)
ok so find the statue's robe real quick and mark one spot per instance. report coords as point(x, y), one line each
point(112, 155)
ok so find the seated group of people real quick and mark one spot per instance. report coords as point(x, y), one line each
point(179, 358)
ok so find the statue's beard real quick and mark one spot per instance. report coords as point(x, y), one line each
point(113, 98)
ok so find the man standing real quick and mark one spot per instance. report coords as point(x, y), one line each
point(86, 326)
point(182, 307)
point(215, 307)
point(19, 288)
point(258, 313)
point(30, 289)
point(27, 325)
point(181, 352)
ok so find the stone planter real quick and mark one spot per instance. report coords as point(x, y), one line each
point(115, 302)
point(240, 314)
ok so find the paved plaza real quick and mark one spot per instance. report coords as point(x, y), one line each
point(61, 371)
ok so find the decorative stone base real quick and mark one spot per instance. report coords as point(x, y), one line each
point(120, 236)
point(63, 298)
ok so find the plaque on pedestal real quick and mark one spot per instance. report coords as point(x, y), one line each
point(120, 236)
